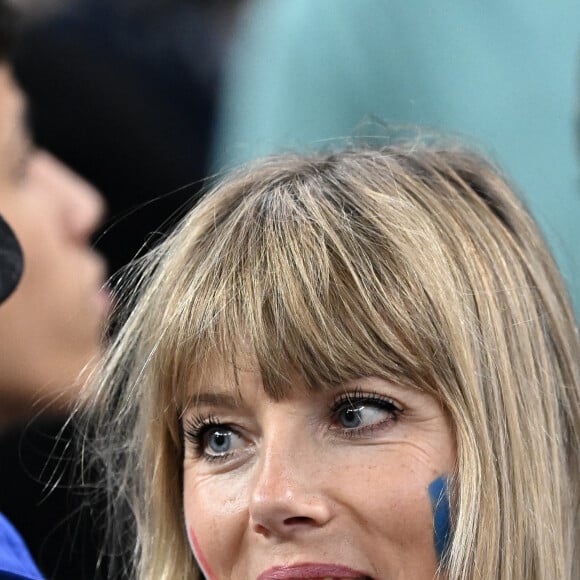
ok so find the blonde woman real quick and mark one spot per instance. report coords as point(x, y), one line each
point(355, 365)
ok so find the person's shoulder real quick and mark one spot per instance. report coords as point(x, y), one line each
point(15, 559)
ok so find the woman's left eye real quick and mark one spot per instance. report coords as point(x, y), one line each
point(359, 414)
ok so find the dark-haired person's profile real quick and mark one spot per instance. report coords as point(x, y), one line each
point(15, 560)
point(50, 328)
point(51, 323)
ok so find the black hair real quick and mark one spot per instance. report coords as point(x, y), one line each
point(8, 30)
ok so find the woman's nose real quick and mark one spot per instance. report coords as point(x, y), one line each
point(82, 206)
point(285, 497)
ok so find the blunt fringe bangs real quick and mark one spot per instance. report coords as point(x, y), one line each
point(412, 263)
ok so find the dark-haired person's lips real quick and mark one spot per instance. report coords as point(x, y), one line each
point(313, 571)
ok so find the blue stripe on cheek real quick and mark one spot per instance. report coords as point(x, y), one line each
point(439, 494)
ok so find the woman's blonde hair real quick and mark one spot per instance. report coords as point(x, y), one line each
point(415, 263)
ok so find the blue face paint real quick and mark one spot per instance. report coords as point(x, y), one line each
point(439, 494)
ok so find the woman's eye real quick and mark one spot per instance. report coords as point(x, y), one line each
point(360, 415)
point(364, 414)
point(220, 441)
point(212, 440)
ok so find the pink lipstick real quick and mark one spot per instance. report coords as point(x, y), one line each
point(311, 571)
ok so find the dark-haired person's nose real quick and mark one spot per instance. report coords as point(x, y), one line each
point(82, 207)
point(285, 499)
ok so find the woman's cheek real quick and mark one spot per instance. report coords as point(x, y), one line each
point(199, 555)
point(216, 518)
point(439, 495)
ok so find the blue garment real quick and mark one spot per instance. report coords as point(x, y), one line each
point(15, 560)
point(501, 73)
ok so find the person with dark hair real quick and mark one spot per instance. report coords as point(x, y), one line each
point(51, 327)
point(136, 79)
point(15, 560)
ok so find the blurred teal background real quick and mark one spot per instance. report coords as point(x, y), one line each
point(502, 75)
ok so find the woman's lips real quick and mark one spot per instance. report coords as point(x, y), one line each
point(312, 571)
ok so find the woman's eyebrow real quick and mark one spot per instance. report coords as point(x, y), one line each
point(213, 399)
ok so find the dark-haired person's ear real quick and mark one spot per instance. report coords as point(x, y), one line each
point(11, 260)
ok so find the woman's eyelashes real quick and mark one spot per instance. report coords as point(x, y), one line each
point(360, 414)
point(351, 415)
point(211, 439)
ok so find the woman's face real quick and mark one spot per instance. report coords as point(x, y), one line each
point(320, 485)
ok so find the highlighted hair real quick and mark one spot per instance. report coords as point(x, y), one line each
point(413, 263)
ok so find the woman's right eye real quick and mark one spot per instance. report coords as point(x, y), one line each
point(220, 441)
point(212, 440)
